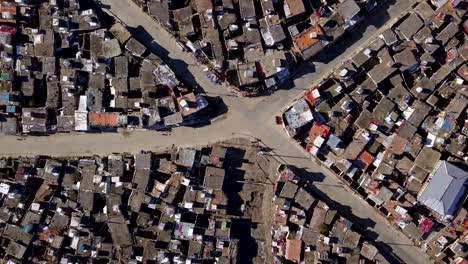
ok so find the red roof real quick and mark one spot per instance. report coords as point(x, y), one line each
point(304, 39)
point(8, 8)
point(391, 208)
point(8, 12)
point(426, 225)
point(367, 158)
point(319, 130)
point(104, 119)
point(310, 97)
point(44, 236)
point(7, 29)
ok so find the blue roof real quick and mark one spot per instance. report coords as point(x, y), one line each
point(11, 108)
point(445, 189)
point(4, 97)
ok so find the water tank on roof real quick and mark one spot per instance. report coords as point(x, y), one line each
point(368, 52)
point(344, 72)
point(248, 26)
point(233, 27)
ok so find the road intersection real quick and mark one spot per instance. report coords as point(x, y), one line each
point(251, 117)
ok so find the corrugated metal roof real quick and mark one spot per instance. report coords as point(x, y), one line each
point(445, 189)
point(104, 119)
